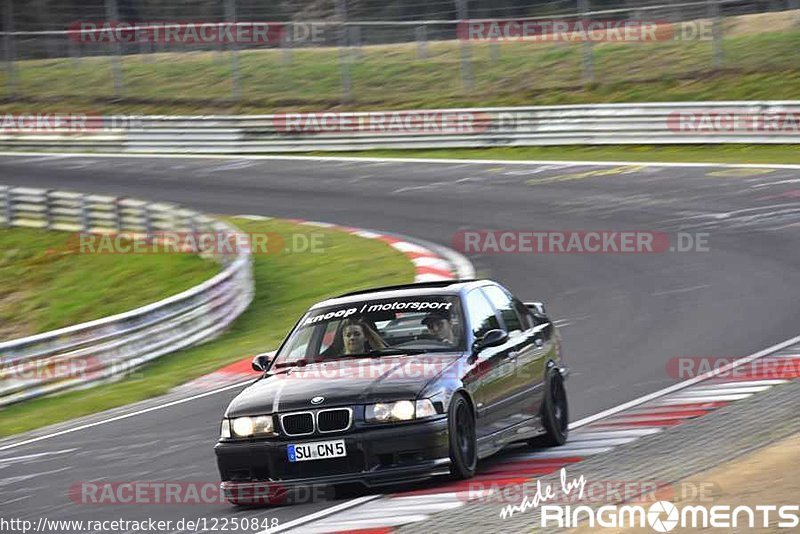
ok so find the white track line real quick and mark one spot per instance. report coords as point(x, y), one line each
point(728, 390)
point(35, 456)
point(447, 161)
point(123, 416)
point(322, 513)
point(712, 398)
point(605, 434)
point(744, 383)
point(685, 384)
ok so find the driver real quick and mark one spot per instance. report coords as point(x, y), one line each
point(359, 338)
point(439, 326)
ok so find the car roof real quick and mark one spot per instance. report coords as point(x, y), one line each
point(442, 287)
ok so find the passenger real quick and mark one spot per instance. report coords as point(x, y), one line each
point(354, 336)
point(440, 326)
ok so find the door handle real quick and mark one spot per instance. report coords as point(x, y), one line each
point(538, 341)
point(513, 356)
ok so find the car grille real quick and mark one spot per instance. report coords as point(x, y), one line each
point(298, 424)
point(334, 420)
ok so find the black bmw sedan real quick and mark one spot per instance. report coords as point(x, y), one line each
point(396, 384)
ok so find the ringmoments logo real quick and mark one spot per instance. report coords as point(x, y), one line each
point(660, 516)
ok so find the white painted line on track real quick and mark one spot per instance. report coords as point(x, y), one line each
point(744, 383)
point(447, 161)
point(123, 416)
point(679, 290)
point(35, 456)
point(601, 442)
point(685, 384)
point(714, 398)
point(560, 452)
point(730, 390)
point(360, 524)
point(322, 513)
point(605, 434)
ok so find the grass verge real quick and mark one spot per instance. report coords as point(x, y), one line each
point(767, 154)
point(756, 66)
point(45, 283)
point(286, 284)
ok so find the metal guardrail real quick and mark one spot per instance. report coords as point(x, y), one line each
point(107, 348)
point(599, 124)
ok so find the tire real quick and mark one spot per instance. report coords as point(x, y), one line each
point(555, 412)
point(463, 440)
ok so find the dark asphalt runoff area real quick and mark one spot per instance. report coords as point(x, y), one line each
point(623, 316)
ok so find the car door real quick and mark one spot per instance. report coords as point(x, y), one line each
point(526, 359)
point(491, 373)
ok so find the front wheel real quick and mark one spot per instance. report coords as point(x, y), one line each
point(463, 440)
point(555, 411)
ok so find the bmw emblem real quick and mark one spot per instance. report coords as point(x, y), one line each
point(317, 400)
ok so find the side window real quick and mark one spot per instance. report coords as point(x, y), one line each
point(528, 321)
point(301, 345)
point(505, 306)
point(481, 315)
point(329, 335)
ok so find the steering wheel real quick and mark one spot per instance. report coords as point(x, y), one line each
point(423, 344)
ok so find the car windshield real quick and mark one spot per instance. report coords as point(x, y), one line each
point(374, 328)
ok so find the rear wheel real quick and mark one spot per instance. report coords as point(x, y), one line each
point(463, 441)
point(555, 412)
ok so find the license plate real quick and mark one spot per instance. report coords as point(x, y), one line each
point(318, 450)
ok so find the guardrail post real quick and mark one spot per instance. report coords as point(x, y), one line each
point(344, 59)
point(112, 15)
point(421, 36)
point(85, 222)
point(117, 215)
point(494, 51)
point(466, 51)
point(716, 32)
point(9, 48)
point(8, 208)
point(148, 221)
point(286, 44)
point(230, 16)
point(355, 42)
point(588, 59)
point(48, 215)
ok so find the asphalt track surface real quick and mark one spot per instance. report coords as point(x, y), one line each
point(625, 315)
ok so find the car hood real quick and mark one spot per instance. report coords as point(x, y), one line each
point(341, 382)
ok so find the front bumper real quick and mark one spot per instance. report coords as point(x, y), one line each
point(256, 469)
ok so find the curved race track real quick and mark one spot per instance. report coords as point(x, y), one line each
point(625, 315)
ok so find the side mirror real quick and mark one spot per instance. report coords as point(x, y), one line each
point(492, 338)
point(537, 309)
point(261, 361)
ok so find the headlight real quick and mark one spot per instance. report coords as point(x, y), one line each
point(245, 427)
point(404, 410)
point(425, 408)
point(225, 431)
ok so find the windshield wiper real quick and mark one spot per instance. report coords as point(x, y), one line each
point(294, 363)
point(376, 353)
